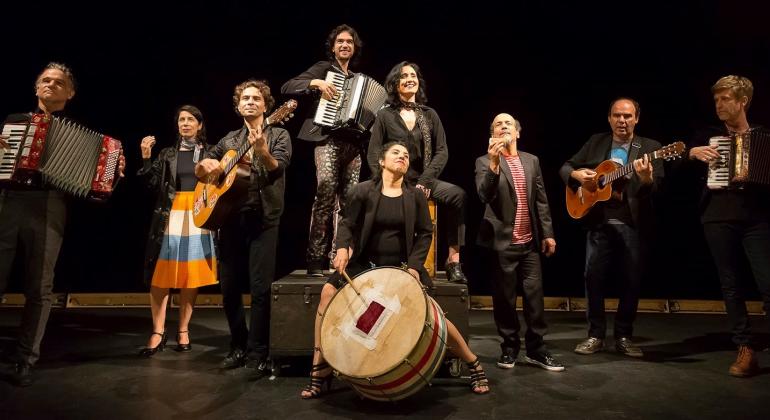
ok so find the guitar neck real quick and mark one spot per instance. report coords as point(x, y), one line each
point(628, 168)
point(239, 153)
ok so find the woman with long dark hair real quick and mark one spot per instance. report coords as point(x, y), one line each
point(179, 255)
point(407, 119)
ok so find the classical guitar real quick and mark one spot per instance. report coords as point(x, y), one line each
point(215, 198)
point(582, 199)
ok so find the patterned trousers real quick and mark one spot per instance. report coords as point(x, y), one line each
point(338, 166)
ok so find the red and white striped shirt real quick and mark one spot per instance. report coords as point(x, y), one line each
point(522, 228)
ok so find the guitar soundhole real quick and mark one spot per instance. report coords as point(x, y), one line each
point(600, 181)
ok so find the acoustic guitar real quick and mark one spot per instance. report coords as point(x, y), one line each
point(215, 198)
point(581, 200)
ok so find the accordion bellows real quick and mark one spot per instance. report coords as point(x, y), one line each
point(356, 104)
point(745, 159)
point(57, 152)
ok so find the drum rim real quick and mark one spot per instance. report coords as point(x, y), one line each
point(390, 368)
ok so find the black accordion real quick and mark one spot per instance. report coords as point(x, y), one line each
point(354, 107)
point(745, 159)
point(57, 152)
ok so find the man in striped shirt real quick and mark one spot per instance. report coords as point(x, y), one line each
point(517, 225)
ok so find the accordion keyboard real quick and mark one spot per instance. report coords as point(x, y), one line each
point(326, 114)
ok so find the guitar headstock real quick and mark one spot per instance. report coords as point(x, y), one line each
point(283, 113)
point(671, 151)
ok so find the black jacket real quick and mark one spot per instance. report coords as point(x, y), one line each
point(499, 195)
point(595, 151)
point(268, 191)
point(356, 224)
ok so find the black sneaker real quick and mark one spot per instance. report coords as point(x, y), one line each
point(22, 375)
point(507, 360)
point(545, 360)
point(234, 359)
point(454, 273)
point(625, 346)
point(315, 269)
point(256, 362)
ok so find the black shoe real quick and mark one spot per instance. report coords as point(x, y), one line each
point(182, 348)
point(454, 273)
point(626, 346)
point(315, 268)
point(545, 360)
point(233, 360)
point(150, 351)
point(256, 362)
point(22, 375)
point(507, 360)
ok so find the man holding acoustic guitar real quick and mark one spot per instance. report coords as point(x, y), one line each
point(621, 184)
point(249, 230)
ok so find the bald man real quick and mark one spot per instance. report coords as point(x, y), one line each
point(517, 226)
point(619, 229)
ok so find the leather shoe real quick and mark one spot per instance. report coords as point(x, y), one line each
point(626, 346)
point(507, 359)
point(590, 345)
point(746, 364)
point(545, 360)
point(454, 273)
point(234, 359)
point(182, 348)
point(22, 375)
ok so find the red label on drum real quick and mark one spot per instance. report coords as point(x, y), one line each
point(369, 318)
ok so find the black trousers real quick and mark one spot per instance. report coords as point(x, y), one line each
point(736, 248)
point(519, 265)
point(338, 166)
point(247, 256)
point(613, 246)
point(32, 229)
point(451, 198)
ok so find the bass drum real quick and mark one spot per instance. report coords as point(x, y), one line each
point(388, 342)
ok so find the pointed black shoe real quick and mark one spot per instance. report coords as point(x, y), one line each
point(182, 348)
point(150, 351)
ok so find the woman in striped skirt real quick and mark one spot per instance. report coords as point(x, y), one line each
point(179, 255)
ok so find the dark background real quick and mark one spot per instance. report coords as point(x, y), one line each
point(554, 65)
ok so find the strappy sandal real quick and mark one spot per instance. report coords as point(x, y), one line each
point(478, 377)
point(318, 384)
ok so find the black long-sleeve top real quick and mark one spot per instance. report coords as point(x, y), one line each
point(389, 126)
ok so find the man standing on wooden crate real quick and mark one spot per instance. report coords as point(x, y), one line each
point(517, 226)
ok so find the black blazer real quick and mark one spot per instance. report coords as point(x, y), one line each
point(356, 224)
point(499, 195)
point(595, 151)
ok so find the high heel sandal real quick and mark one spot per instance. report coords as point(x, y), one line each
point(150, 351)
point(478, 377)
point(182, 347)
point(317, 383)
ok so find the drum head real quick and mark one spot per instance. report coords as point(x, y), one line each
point(367, 337)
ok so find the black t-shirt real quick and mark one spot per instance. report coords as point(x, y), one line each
point(185, 171)
point(387, 244)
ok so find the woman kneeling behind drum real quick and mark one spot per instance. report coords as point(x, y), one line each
point(387, 237)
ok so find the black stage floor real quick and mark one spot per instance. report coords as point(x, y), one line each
point(89, 370)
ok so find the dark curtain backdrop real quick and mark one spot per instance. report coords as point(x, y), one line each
point(554, 65)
